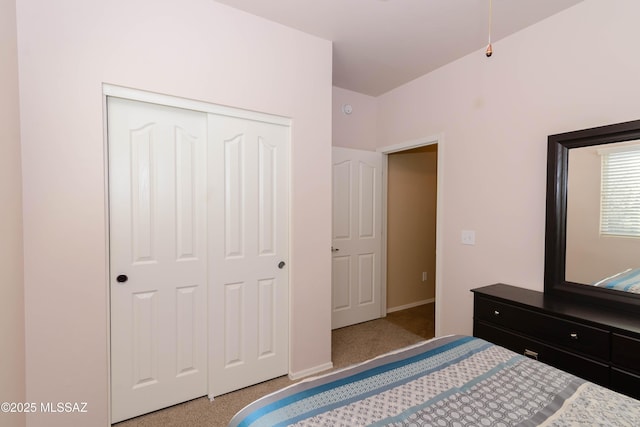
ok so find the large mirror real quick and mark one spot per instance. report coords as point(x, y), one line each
point(592, 247)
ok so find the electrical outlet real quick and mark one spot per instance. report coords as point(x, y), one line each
point(424, 276)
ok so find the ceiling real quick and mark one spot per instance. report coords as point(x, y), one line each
point(379, 45)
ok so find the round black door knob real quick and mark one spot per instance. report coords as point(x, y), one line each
point(281, 265)
point(122, 278)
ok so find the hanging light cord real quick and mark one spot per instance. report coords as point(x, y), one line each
point(489, 50)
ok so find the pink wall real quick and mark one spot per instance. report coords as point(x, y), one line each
point(358, 129)
point(574, 70)
point(12, 367)
point(195, 49)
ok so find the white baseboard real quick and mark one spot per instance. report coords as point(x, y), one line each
point(311, 371)
point(413, 304)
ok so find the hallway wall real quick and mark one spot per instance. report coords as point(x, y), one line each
point(411, 226)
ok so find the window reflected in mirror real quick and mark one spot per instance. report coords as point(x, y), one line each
point(603, 216)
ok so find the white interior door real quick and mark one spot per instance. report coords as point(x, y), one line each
point(248, 249)
point(157, 191)
point(356, 239)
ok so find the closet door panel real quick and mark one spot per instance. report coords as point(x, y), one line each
point(158, 264)
point(248, 211)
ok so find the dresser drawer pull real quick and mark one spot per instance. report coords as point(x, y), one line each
point(573, 336)
point(531, 354)
point(496, 313)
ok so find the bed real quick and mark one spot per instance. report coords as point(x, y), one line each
point(449, 381)
point(627, 281)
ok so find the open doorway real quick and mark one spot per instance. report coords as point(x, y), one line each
point(411, 238)
point(351, 176)
point(412, 232)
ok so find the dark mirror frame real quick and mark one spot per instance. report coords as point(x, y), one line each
point(556, 215)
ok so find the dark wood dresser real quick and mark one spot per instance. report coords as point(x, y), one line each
point(597, 344)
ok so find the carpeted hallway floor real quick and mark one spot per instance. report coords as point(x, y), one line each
point(350, 345)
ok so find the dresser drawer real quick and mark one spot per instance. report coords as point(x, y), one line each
point(625, 382)
point(580, 366)
point(575, 337)
point(625, 352)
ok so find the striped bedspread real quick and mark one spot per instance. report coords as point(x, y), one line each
point(450, 381)
point(627, 281)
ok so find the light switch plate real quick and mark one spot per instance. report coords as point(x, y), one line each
point(468, 237)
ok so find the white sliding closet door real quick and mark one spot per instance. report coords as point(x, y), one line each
point(199, 220)
point(158, 253)
point(248, 252)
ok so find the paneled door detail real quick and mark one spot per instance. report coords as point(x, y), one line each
point(356, 239)
point(158, 256)
point(248, 252)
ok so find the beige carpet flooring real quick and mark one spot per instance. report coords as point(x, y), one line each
point(350, 345)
